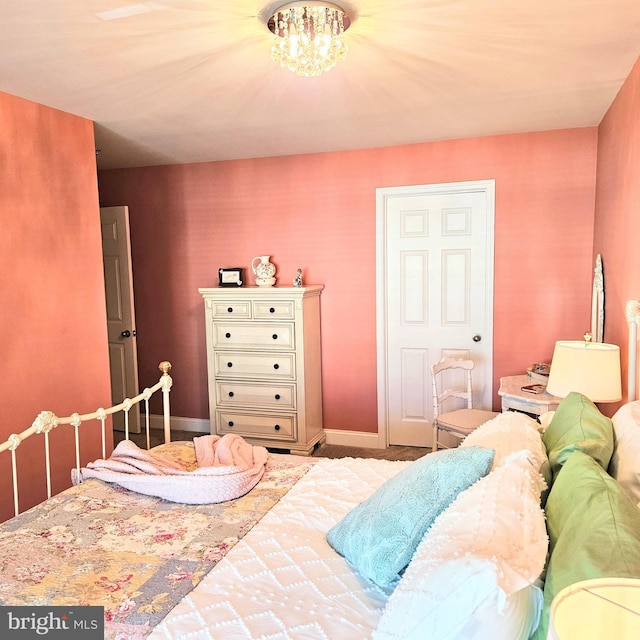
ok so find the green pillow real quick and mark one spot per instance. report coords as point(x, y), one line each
point(578, 424)
point(594, 530)
point(380, 535)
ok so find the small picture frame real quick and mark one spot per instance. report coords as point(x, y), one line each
point(230, 277)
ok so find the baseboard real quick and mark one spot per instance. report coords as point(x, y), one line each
point(334, 436)
point(354, 439)
point(196, 425)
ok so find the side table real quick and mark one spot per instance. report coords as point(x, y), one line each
point(515, 399)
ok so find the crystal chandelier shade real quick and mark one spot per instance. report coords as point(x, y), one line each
point(309, 36)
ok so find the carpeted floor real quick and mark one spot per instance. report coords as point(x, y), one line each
point(390, 453)
point(156, 437)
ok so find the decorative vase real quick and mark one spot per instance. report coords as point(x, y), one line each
point(264, 271)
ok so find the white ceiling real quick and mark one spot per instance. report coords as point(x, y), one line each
point(173, 81)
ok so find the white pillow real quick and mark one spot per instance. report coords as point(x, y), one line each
point(545, 420)
point(625, 461)
point(475, 570)
point(508, 433)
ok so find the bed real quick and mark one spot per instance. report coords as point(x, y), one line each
point(134, 554)
point(349, 548)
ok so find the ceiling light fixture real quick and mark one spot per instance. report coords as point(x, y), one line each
point(309, 36)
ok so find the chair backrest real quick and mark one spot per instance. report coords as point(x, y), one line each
point(464, 391)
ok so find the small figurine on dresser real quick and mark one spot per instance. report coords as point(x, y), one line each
point(297, 281)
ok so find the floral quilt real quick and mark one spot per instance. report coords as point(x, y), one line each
point(135, 555)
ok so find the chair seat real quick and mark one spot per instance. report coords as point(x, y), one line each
point(464, 421)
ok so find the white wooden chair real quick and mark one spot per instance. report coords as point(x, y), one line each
point(458, 422)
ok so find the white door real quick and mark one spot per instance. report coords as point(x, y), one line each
point(121, 324)
point(435, 298)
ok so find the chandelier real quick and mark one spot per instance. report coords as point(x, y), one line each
point(309, 36)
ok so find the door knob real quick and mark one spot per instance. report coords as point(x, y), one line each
point(477, 337)
point(126, 333)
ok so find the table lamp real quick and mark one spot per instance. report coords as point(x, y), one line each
point(595, 609)
point(589, 368)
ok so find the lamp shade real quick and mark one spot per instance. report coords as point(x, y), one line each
point(595, 609)
point(589, 368)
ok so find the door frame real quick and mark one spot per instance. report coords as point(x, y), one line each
point(382, 193)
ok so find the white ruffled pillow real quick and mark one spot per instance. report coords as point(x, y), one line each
point(474, 573)
point(508, 433)
point(545, 420)
point(625, 461)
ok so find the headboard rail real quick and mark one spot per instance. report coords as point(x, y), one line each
point(47, 421)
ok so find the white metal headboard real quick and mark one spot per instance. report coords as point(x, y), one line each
point(632, 312)
point(597, 303)
point(47, 420)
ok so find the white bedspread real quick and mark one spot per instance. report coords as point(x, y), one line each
point(283, 580)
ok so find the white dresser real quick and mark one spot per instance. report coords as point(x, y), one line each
point(264, 365)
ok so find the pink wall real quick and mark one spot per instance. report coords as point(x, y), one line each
point(617, 222)
point(318, 212)
point(315, 211)
point(53, 326)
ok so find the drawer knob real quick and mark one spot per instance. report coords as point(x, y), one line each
point(275, 336)
point(227, 335)
point(231, 394)
point(230, 309)
point(277, 427)
point(229, 364)
point(230, 423)
point(275, 366)
point(277, 396)
point(272, 310)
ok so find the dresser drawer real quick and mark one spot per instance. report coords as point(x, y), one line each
point(269, 366)
point(246, 394)
point(253, 425)
point(230, 308)
point(278, 309)
point(253, 335)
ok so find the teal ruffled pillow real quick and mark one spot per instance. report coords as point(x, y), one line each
point(381, 534)
point(578, 424)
